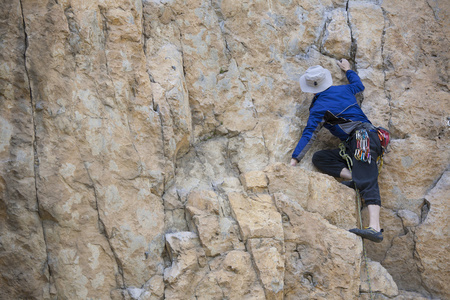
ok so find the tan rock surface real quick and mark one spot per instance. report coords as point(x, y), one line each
point(144, 148)
point(322, 260)
point(255, 181)
point(23, 254)
point(231, 276)
point(379, 280)
point(257, 216)
point(268, 255)
point(432, 238)
point(217, 234)
point(315, 193)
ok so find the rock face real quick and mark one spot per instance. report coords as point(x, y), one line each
point(144, 148)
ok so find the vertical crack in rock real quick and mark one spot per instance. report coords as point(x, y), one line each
point(435, 11)
point(265, 146)
point(199, 158)
point(354, 45)
point(161, 120)
point(424, 210)
point(256, 269)
point(141, 165)
point(418, 261)
point(143, 39)
point(224, 296)
point(229, 162)
point(74, 37)
point(221, 23)
point(183, 64)
point(436, 181)
point(353, 50)
point(35, 147)
point(319, 42)
point(144, 48)
point(384, 65)
point(103, 230)
point(105, 37)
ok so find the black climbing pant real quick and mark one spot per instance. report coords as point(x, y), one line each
point(364, 174)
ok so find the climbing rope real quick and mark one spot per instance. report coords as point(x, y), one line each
point(344, 155)
point(348, 159)
point(380, 163)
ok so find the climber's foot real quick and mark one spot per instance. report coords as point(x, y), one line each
point(369, 233)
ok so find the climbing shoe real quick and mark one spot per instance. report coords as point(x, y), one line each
point(349, 184)
point(369, 233)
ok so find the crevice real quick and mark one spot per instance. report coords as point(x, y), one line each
point(74, 39)
point(229, 161)
point(384, 66)
point(353, 51)
point(242, 79)
point(161, 120)
point(144, 49)
point(192, 137)
point(265, 146)
point(424, 210)
point(435, 12)
point(102, 229)
point(419, 265)
point(141, 165)
point(202, 163)
point(255, 268)
point(224, 296)
point(354, 45)
point(436, 181)
point(35, 152)
point(143, 28)
point(105, 37)
point(155, 106)
point(319, 42)
point(245, 84)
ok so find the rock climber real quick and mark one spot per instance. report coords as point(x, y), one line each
point(336, 108)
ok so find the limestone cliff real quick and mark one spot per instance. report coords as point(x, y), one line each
point(144, 149)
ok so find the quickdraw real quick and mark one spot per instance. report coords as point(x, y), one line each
point(362, 151)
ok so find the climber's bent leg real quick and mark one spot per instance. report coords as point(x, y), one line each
point(330, 162)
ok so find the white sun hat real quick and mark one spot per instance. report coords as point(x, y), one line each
point(315, 80)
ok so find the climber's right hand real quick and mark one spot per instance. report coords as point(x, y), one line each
point(344, 64)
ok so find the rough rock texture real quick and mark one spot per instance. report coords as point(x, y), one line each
point(143, 149)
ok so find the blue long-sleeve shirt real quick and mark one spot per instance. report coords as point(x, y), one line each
point(337, 110)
